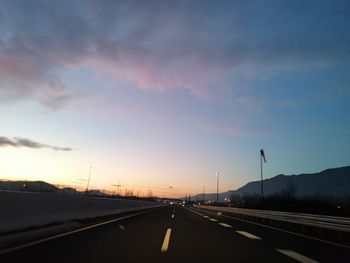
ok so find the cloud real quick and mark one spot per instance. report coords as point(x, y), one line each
point(6, 142)
point(163, 45)
point(21, 142)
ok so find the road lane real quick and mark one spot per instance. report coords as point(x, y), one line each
point(140, 239)
point(198, 239)
point(282, 240)
point(172, 234)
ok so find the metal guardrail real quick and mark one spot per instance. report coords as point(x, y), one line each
point(321, 221)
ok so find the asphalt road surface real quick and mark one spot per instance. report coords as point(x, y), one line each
point(178, 234)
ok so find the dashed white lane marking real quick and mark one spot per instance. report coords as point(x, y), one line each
point(212, 219)
point(285, 231)
point(172, 216)
point(248, 235)
point(225, 225)
point(296, 256)
point(165, 244)
point(121, 227)
point(206, 216)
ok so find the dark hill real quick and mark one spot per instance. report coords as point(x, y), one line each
point(333, 182)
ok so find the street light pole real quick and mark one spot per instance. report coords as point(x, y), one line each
point(217, 188)
point(262, 157)
point(203, 192)
point(261, 179)
point(88, 183)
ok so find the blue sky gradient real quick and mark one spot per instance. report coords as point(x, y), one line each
point(166, 93)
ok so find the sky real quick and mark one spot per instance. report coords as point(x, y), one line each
point(160, 95)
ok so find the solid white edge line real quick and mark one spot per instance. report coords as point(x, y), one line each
point(247, 234)
point(286, 231)
point(11, 249)
point(165, 244)
point(297, 256)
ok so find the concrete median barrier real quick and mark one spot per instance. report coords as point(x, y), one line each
point(23, 210)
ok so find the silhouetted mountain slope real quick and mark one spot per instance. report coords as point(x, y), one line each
point(331, 182)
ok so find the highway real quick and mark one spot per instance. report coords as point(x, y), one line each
point(178, 234)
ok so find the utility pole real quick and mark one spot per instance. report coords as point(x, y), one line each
point(116, 185)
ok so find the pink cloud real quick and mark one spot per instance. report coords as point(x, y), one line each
point(157, 47)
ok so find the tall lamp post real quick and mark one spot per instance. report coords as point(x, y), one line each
point(217, 188)
point(88, 182)
point(262, 157)
point(203, 193)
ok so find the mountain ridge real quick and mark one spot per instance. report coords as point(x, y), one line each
point(334, 182)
